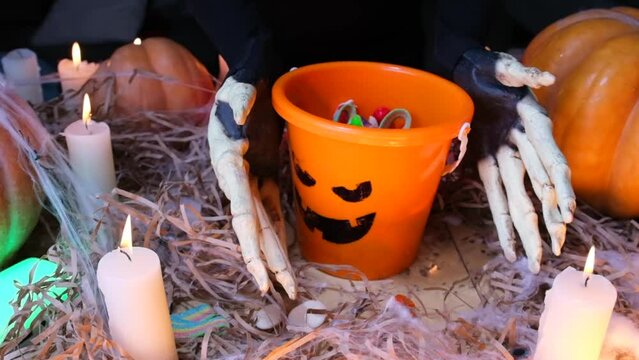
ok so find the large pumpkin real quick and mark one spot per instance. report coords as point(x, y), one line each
point(186, 83)
point(595, 102)
point(19, 205)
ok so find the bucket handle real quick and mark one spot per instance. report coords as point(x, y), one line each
point(463, 138)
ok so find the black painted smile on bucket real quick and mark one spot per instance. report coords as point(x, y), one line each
point(335, 230)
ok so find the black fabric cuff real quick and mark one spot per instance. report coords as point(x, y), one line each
point(236, 29)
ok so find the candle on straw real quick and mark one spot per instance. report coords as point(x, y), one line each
point(90, 153)
point(21, 69)
point(75, 72)
point(130, 279)
point(576, 313)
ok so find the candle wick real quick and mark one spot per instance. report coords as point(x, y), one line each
point(586, 281)
point(86, 126)
point(127, 254)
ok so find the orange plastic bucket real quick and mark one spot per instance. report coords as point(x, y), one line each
point(363, 195)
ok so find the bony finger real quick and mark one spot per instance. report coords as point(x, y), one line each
point(231, 171)
point(543, 79)
point(527, 225)
point(554, 222)
point(533, 77)
point(568, 208)
point(521, 208)
point(560, 176)
point(245, 226)
point(543, 189)
point(510, 72)
point(530, 76)
point(565, 194)
point(539, 131)
point(528, 229)
point(240, 97)
point(276, 257)
point(235, 184)
point(489, 174)
point(558, 236)
point(534, 262)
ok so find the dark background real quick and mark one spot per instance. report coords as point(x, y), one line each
point(307, 32)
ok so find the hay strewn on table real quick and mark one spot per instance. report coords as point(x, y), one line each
point(168, 187)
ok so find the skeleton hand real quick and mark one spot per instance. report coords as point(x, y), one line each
point(228, 144)
point(512, 135)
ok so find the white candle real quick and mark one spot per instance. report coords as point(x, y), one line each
point(575, 319)
point(90, 153)
point(21, 69)
point(130, 279)
point(75, 72)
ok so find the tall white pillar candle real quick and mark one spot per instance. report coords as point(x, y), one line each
point(21, 69)
point(90, 152)
point(75, 72)
point(130, 279)
point(575, 319)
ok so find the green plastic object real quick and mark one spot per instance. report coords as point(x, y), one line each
point(356, 120)
point(8, 291)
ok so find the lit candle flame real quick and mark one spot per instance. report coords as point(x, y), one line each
point(137, 41)
point(86, 110)
point(126, 244)
point(75, 54)
point(590, 264)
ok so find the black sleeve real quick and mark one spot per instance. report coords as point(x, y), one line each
point(458, 25)
point(235, 28)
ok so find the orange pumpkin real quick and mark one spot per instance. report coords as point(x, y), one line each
point(594, 103)
point(186, 83)
point(19, 205)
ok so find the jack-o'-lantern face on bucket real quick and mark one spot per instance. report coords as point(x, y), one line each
point(364, 194)
point(338, 231)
